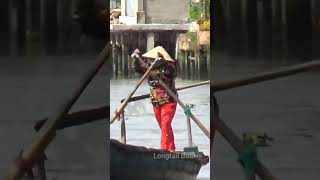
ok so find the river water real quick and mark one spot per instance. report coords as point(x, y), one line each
point(287, 109)
point(31, 89)
point(141, 126)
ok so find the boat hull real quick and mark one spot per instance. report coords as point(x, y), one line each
point(136, 163)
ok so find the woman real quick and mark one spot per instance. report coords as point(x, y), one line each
point(164, 106)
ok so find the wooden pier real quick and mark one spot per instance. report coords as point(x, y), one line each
point(268, 28)
point(125, 38)
point(41, 27)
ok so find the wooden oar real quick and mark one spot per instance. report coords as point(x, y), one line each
point(175, 97)
point(235, 142)
point(136, 98)
point(78, 118)
point(121, 107)
point(282, 72)
point(46, 134)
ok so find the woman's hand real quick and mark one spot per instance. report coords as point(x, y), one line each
point(136, 53)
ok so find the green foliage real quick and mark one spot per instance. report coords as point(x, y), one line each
point(198, 8)
point(195, 11)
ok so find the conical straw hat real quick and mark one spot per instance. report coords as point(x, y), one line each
point(153, 53)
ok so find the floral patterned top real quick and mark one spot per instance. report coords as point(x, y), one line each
point(167, 72)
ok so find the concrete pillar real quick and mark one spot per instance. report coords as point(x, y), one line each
point(150, 40)
point(5, 26)
point(141, 19)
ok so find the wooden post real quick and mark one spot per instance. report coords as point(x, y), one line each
point(21, 28)
point(197, 63)
point(5, 26)
point(189, 132)
point(115, 54)
point(181, 64)
point(203, 64)
point(64, 25)
point(235, 28)
point(188, 64)
point(186, 73)
point(252, 28)
point(121, 55)
point(284, 35)
point(125, 56)
point(49, 25)
point(123, 129)
point(244, 25)
point(276, 29)
point(315, 13)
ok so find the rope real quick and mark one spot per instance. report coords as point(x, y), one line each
point(248, 159)
point(187, 110)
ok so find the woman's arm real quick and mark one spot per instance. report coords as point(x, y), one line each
point(170, 71)
point(136, 63)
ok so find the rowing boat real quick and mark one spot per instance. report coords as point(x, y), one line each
point(129, 162)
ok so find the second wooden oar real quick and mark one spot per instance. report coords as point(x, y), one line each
point(78, 118)
point(282, 72)
point(121, 107)
point(235, 142)
point(136, 98)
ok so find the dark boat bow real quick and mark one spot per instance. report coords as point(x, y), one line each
point(130, 162)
